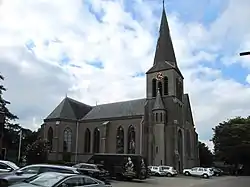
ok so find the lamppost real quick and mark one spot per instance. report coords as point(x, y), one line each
point(245, 53)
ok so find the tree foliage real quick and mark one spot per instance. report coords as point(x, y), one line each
point(206, 156)
point(232, 141)
point(38, 152)
point(3, 104)
point(11, 130)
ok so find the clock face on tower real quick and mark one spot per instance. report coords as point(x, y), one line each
point(159, 76)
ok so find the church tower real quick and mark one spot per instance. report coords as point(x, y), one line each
point(164, 100)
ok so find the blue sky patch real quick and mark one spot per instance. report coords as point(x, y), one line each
point(205, 11)
point(65, 59)
point(30, 45)
point(98, 15)
point(233, 71)
point(97, 64)
point(139, 74)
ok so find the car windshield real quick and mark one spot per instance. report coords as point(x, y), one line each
point(46, 179)
point(165, 168)
point(13, 165)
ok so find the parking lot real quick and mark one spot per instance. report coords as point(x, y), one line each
point(184, 181)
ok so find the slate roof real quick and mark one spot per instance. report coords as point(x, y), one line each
point(187, 108)
point(118, 109)
point(163, 66)
point(69, 109)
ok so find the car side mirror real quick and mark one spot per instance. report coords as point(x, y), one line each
point(19, 172)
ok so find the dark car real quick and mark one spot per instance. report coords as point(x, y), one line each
point(122, 166)
point(32, 170)
point(53, 179)
point(217, 172)
point(93, 170)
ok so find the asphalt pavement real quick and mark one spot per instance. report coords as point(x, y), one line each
point(183, 181)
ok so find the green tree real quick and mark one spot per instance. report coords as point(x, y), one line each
point(37, 152)
point(9, 117)
point(232, 141)
point(206, 156)
point(3, 104)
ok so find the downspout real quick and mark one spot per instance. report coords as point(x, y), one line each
point(141, 134)
point(76, 150)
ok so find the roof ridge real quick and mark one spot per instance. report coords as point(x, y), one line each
point(119, 102)
point(76, 101)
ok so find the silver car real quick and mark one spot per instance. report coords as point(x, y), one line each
point(53, 179)
point(7, 166)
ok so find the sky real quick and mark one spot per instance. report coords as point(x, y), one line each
point(97, 51)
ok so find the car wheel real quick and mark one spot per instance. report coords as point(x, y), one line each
point(169, 175)
point(157, 174)
point(217, 174)
point(205, 176)
point(187, 173)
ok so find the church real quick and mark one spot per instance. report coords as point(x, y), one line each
point(160, 126)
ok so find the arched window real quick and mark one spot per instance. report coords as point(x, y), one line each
point(67, 140)
point(165, 85)
point(96, 139)
point(120, 140)
point(154, 87)
point(161, 118)
point(131, 140)
point(50, 138)
point(87, 137)
point(160, 87)
point(188, 141)
point(156, 117)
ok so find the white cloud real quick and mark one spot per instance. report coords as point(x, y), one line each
point(37, 81)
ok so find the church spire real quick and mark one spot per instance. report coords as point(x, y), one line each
point(158, 102)
point(165, 50)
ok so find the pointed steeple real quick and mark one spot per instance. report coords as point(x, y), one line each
point(165, 50)
point(158, 102)
point(164, 55)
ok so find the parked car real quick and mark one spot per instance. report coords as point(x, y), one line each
point(170, 171)
point(53, 179)
point(7, 166)
point(217, 171)
point(122, 166)
point(32, 170)
point(93, 170)
point(157, 171)
point(199, 171)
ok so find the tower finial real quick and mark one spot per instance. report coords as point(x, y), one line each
point(66, 95)
point(163, 4)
